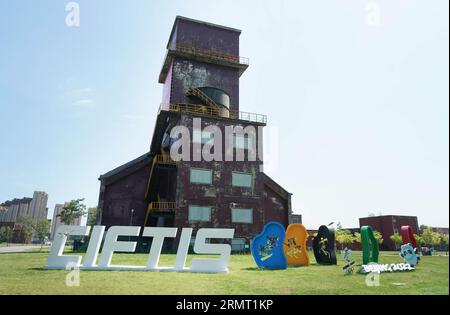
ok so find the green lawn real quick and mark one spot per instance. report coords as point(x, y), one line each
point(22, 273)
point(13, 244)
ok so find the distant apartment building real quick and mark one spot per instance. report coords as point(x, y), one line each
point(56, 222)
point(12, 210)
point(35, 207)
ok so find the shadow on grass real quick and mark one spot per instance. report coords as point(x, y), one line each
point(39, 269)
point(262, 269)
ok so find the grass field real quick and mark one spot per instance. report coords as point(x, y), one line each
point(22, 273)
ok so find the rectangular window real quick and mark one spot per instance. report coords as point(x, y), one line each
point(242, 142)
point(201, 176)
point(242, 179)
point(239, 215)
point(202, 136)
point(199, 214)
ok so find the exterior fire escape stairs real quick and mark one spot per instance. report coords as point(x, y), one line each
point(160, 160)
point(156, 205)
point(203, 97)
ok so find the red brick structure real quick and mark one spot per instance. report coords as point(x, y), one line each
point(200, 74)
point(388, 225)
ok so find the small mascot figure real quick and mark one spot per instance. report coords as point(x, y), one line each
point(348, 266)
point(265, 250)
point(410, 254)
point(294, 249)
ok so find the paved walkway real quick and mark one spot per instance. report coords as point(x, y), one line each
point(18, 249)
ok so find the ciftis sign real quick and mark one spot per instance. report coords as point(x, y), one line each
point(57, 260)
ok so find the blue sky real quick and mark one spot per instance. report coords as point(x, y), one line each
point(362, 110)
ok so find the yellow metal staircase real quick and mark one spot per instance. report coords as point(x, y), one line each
point(201, 95)
point(160, 207)
point(158, 159)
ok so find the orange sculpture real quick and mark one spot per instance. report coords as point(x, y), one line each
point(295, 245)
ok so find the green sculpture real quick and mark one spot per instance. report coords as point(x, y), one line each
point(369, 245)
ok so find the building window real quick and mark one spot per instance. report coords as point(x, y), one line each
point(199, 214)
point(242, 142)
point(242, 179)
point(202, 137)
point(201, 176)
point(239, 215)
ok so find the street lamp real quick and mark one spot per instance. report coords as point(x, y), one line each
point(131, 217)
point(131, 222)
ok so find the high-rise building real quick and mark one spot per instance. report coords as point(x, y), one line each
point(200, 74)
point(35, 207)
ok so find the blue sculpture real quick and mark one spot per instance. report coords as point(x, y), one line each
point(409, 254)
point(267, 247)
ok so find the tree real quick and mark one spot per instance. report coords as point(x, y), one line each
point(92, 216)
point(378, 236)
point(419, 239)
point(396, 238)
point(72, 211)
point(42, 228)
point(26, 223)
point(427, 235)
point(445, 241)
point(357, 237)
point(6, 233)
point(344, 237)
point(436, 239)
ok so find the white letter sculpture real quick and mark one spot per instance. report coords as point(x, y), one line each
point(58, 261)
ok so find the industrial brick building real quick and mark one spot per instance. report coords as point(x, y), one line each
point(200, 75)
point(387, 225)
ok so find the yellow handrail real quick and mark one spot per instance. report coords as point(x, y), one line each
point(203, 110)
point(213, 54)
point(160, 206)
point(164, 159)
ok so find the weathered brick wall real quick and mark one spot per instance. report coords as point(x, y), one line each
point(206, 37)
point(221, 196)
point(275, 207)
point(189, 73)
point(387, 225)
point(123, 195)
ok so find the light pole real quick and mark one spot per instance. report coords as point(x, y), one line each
point(131, 222)
point(131, 217)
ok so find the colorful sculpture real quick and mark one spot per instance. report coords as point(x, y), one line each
point(267, 247)
point(369, 245)
point(348, 267)
point(409, 254)
point(408, 235)
point(323, 246)
point(295, 245)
